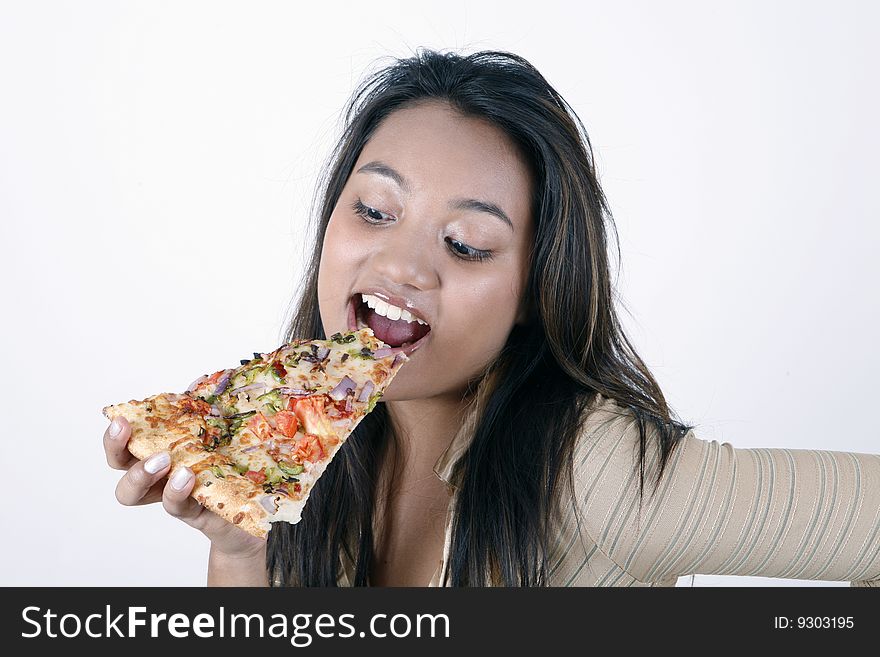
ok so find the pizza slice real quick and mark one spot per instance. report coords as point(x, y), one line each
point(259, 436)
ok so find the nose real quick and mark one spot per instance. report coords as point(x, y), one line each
point(405, 257)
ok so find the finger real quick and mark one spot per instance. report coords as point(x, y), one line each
point(116, 444)
point(140, 478)
point(154, 494)
point(176, 499)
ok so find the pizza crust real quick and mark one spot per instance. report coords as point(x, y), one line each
point(157, 423)
point(235, 500)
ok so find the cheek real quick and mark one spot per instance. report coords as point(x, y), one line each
point(334, 272)
point(334, 241)
point(470, 338)
point(481, 318)
point(339, 255)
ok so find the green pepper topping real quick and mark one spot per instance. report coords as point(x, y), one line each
point(273, 476)
point(278, 371)
point(290, 468)
point(217, 423)
point(272, 400)
point(238, 420)
point(375, 398)
point(218, 472)
point(251, 374)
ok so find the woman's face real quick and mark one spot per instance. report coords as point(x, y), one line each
point(408, 229)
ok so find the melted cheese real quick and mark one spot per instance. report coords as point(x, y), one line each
point(342, 361)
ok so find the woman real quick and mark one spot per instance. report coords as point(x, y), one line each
point(515, 446)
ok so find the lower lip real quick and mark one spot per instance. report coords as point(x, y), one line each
point(406, 350)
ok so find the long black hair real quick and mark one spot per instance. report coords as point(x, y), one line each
point(517, 471)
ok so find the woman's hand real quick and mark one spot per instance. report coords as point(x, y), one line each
point(145, 482)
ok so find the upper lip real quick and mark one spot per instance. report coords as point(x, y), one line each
point(400, 302)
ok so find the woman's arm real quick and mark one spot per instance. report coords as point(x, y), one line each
point(791, 513)
point(237, 570)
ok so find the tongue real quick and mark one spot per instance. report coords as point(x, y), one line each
point(394, 332)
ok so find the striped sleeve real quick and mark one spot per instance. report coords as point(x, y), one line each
point(789, 513)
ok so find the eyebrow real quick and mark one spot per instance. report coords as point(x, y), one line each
point(386, 171)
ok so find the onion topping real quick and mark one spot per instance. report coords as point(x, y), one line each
point(248, 450)
point(341, 391)
point(366, 391)
point(215, 411)
point(223, 382)
point(322, 353)
point(381, 353)
point(252, 386)
point(268, 503)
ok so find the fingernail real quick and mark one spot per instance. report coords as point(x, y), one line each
point(115, 427)
point(156, 462)
point(180, 478)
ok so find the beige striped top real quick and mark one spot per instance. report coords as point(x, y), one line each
point(767, 512)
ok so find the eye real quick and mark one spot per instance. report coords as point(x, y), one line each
point(458, 249)
point(366, 212)
point(466, 252)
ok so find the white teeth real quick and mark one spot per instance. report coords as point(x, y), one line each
point(388, 310)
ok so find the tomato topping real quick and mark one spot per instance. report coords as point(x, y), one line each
point(310, 411)
point(260, 426)
point(309, 448)
point(214, 378)
point(279, 369)
point(297, 488)
point(258, 477)
point(286, 422)
point(340, 408)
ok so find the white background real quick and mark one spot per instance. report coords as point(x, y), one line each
point(149, 151)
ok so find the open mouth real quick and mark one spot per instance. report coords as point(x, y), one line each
point(400, 335)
